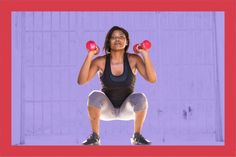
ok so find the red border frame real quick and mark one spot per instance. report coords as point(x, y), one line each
point(7, 6)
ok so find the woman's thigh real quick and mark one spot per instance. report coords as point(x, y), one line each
point(135, 102)
point(99, 100)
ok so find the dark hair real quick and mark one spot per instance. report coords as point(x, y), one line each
point(107, 47)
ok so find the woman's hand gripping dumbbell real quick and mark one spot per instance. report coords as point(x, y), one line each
point(145, 45)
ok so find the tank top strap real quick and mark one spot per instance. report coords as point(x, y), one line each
point(127, 65)
point(107, 64)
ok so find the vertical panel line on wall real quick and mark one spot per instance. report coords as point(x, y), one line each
point(161, 122)
point(218, 120)
point(51, 76)
point(42, 73)
point(22, 108)
point(60, 71)
point(34, 74)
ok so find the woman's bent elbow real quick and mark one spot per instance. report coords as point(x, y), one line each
point(154, 80)
point(80, 82)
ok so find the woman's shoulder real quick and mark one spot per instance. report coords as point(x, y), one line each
point(133, 56)
point(100, 59)
point(100, 62)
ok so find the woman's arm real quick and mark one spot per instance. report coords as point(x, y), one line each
point(88, 69)
point(145, 66)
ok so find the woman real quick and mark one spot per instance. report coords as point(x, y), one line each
point(117, 71)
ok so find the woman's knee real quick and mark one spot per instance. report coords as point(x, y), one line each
point(140, 102)
point(96, 98)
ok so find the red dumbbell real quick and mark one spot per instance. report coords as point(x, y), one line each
point(144, 45)
point(91, 45)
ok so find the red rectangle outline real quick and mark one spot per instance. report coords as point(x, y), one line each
point(7, 6)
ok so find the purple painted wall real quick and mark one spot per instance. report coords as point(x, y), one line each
point(185, 105)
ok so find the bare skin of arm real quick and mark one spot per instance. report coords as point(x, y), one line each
point(89, 68)
point(145, 66)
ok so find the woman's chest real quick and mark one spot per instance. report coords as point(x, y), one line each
point(118, 68)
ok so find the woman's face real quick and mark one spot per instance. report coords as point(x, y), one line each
point(118, 40)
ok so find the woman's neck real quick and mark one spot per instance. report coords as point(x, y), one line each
point(117, 56)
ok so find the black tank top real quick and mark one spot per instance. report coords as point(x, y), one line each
point(117, 88)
